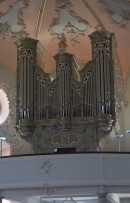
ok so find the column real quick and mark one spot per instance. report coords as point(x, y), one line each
point(102, 198)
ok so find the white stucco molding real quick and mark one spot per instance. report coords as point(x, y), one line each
point(65, 175)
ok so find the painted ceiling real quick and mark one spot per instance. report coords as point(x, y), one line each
point(50, 20)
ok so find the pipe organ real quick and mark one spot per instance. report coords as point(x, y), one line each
point(75, 110)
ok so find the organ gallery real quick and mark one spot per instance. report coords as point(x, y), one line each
point(76, 109)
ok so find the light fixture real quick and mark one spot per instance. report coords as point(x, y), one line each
point(119, 136)
point(128, 131)
point(2, 138)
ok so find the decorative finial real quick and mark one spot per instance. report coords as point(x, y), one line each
point(98, 28)
point(62, 44)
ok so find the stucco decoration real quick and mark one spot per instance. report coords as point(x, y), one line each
point(120, 89)
point(68, 23)
point(120, 102)
point(47, 191)
point(11, 22)
point(47, 168)
point(7, 128)
point(118, 11)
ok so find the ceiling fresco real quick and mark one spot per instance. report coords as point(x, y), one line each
point(68, 23)
point(118, 11)
point(50, 20)
point(11, 22)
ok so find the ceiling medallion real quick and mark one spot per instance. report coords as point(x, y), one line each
point(11, 22)
point(118, 11)
point(68, 23)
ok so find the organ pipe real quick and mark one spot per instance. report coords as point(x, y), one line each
point(102, 50)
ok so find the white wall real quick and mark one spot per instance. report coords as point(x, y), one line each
point(65, 175)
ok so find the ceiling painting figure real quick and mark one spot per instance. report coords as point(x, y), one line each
point(68, 23)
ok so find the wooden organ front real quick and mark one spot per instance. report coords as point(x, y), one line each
point(75, 110)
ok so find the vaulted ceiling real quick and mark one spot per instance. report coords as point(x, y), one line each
point(49, 20)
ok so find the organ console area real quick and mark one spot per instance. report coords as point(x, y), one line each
point(76, 109)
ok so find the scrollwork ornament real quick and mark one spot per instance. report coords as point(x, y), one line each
point(102, 46)
point(8, 129)
point(77, 89)
point(63, 66)
point(47, 168)
point(73, 27)
point(87, 76)
point(52, 91)
point(7, 27)
point(26, 53)
point(120, 89)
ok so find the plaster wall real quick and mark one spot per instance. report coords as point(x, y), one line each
point(124, 123)
point(8, 128)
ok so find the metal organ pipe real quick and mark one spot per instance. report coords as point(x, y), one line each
point(39, 87)
point(26, 83)
point(25, 80)
point(87, 98)
point(28, 89)
point(37, 99)
point(108, 82)
point(91, 94)
point(103, 82)
point(39, 105)
point(64, 89)
point(66, 98)
point(106, 79)
point(21, 89)
point(63, 92)
point(102, 45)
point(42, 103)
point(98, 97)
